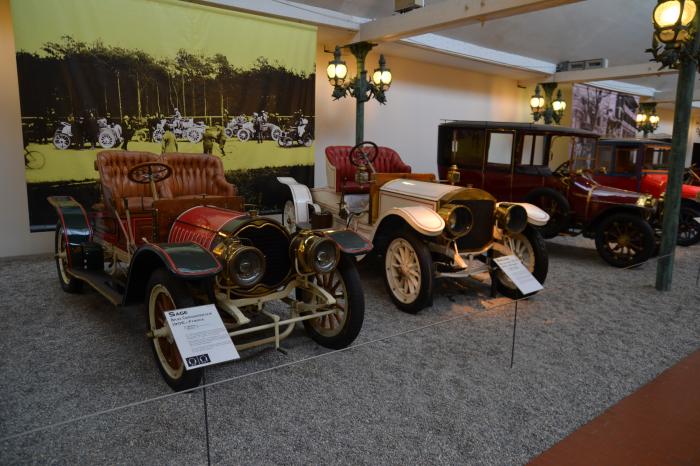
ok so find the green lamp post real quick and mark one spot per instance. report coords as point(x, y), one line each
point(358, 87)
point(676, 44)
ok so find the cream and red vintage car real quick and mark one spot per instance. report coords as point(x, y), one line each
point(425, 230)
point(171, 232)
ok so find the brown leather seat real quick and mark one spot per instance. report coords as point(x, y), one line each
point(113, 167)
point(196, 175)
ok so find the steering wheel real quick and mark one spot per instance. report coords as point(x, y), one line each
point(147, 172)
point(363, 154)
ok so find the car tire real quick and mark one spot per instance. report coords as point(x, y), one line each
point(165, 292)
point(243, 135)
point(339, 331)
point(629, 228)
point(69, 284)
point(407, 251)
point(557, 207)
point(530, 248)
point(688, 228)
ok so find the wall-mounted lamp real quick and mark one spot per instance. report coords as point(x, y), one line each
point(552, 110)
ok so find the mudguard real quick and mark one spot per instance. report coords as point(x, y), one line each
point(301, 197)
point(76, 226)
point(535, 215)
point(423, 219)
point(188, 261)
point(348, 241)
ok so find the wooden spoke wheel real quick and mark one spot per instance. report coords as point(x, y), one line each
point(625, 239)
point(408, 272)
point(688, 227)
point(166, 292)
point(68, 283)
point(530, 248)
point(339, 329)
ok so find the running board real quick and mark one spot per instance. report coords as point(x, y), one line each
point(101, 282)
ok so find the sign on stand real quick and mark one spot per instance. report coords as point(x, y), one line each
point(697, 219)
point(518, 274)
point(200, 336)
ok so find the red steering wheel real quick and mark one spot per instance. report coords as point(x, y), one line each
point(363, 154)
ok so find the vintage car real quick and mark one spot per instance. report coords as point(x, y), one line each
point(109, 135)
point(513, 162)
point(424, 230)
point(170, 232)
point(641, 165)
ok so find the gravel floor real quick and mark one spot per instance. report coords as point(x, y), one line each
point(411, 392)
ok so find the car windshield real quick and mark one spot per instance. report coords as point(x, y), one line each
point(579, 149)
point(657, 158)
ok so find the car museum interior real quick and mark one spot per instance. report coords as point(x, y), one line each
point(460, 232)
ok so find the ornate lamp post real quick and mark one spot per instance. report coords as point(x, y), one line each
point(552, 110)
point(676, 44)
point(359, 87)
point(647, 119)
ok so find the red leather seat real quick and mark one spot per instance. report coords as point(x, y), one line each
point(196, 175)
point(341, 172)
point(113, 166)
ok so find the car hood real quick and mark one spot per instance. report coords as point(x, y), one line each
point(656, 183)
point(600, 193)
point(419, 189)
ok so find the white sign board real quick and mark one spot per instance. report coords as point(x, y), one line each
point(200, 336)
point(697, 219)
point(518, 274)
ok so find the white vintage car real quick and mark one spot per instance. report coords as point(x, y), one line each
point(423, 229)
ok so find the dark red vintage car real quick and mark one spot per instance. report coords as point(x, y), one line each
point(642, 165)
point(514, 162)
point(170, 232)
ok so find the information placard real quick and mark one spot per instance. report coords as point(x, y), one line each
point(697, 219)
point(200, 336)
point(518, 274)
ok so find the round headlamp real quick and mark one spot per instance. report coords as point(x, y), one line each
point(316, 254)
point(244, 266)
point(458, 220)
point(511, 217)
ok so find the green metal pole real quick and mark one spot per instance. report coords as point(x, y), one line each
point(679, 146)
point(360, 51)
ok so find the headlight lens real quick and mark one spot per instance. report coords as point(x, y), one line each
point(316, 254)
point(244, 266)
point(458, 220)
point(511, 217)
point(646, 201)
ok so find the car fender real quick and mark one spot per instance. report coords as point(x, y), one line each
point(421, 218)
point(76, 226)
point(349, 242)
point(535, 215)
point(188, 261)
point(301, 197)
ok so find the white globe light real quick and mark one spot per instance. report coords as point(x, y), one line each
point(341, 70)
point(386, 77)
point(377, 77)
point(330, 71)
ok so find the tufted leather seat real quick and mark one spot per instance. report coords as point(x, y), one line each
point(113, 167)
point(196, 175)
point(341, 172)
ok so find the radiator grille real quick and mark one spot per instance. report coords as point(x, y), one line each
point(482, 230)
point(273, 242)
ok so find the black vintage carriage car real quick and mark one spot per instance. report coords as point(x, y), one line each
point(171, 232)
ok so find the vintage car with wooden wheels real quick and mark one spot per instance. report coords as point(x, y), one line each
point(423, 229)
point(513, 162)
point(641, 165)
point(170, 232)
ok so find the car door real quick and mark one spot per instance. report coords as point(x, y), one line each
point(498, 175)
point(530, 165)
point(625, 173)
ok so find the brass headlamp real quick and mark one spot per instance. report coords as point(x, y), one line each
point(314, 253)
point(458, 220)
point(244, 266)
point(511, 217)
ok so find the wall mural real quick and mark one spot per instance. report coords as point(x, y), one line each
point(161, 75)
point(605, 112)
